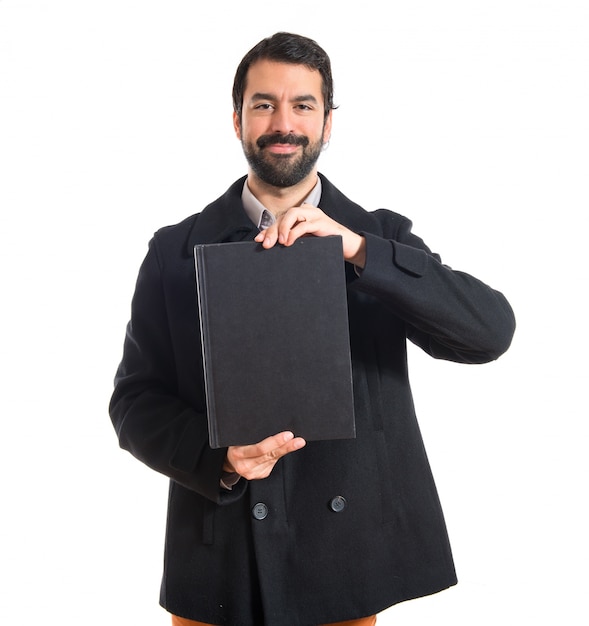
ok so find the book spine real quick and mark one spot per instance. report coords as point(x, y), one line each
point(200, 262)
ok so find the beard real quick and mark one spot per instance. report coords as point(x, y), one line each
point(282, 170)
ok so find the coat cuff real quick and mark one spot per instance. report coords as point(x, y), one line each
point(382, 254)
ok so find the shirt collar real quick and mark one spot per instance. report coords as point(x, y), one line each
point(254, 208)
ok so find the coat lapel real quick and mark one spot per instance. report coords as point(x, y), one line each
point(343, 210)
point(221, 221)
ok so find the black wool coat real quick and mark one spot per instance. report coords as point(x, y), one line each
point(352, 526)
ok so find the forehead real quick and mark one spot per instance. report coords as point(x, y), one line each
point(282, 80)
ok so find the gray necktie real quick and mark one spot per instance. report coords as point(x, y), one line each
point(266, 220)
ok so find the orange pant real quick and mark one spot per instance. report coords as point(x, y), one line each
point(365, 621)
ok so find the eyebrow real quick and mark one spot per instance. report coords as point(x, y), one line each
point(268, 96)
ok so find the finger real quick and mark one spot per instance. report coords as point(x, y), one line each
point(274, 443)
point(262, 451)
point(297, 222)
point(268, 237)
point(303, 213)
point(301, 229)
point(267, 462)
point(257, 461)
point(296, 443)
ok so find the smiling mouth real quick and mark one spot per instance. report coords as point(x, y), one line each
point(282, 148)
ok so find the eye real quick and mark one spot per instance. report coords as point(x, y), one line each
point(263, 106)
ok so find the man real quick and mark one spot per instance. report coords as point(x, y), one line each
point(288, 532)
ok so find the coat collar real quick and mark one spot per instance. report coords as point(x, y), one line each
point(222, 220)
point(226, 220)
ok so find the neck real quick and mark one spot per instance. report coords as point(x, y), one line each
point(280, 199)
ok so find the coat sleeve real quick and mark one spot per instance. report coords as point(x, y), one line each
point(151, 419)
point(449, 314)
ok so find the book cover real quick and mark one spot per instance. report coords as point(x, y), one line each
point(275, 340)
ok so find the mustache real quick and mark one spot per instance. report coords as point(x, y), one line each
point(296, 140)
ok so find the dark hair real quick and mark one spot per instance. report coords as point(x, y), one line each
point(286, 48)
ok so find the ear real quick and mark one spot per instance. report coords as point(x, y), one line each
point(327, 127)
point(236, 125)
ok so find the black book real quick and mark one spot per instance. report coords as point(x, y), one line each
point(275, 340)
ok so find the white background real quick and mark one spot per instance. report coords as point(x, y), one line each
point(469, 117)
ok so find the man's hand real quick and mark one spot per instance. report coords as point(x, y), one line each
point(258, 460)
point(309, 220)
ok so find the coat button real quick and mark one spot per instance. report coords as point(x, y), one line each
point(337, 504)
point(260, 511)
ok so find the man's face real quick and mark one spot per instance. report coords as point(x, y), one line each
point(282, 126)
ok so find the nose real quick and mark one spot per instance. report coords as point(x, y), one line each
point(282, 121)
